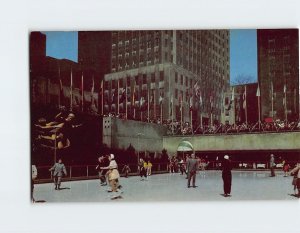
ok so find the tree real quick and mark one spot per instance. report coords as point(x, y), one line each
point(243, 79)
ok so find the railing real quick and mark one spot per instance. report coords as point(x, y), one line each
point(78, 172)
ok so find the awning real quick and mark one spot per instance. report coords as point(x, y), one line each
point(185, 146)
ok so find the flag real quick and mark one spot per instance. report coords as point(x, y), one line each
point(142, 101)
point(200, 100)
point(258, 91)
point(61, 92)
point(244, 98)
point(197, 89)
point(123, 95)
point(272, 91)
point(171, 105)
point(191, 102)
point(161, 99)
point(92, 91)
point(211, 102)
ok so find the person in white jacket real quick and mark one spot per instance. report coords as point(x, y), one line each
point(113, 177)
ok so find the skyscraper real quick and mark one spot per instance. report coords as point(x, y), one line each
point(278, 73)
point(168, 74)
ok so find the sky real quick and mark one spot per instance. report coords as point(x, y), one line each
point(243, 55)
point(243, 52)
point(62, 45)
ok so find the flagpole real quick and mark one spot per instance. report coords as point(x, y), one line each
point(126, 99)
point(285, 107)
point(92, 92)
point(258, 105)
point(102, 96)
point(161, 113)
point(118, 102)
point(272, 100)
point(148, 105)
point(192, 121)
point(82, 92)
point(60, 84)
point(154, 105)
point(71, 92)
point(181, 113)
point(246, 112)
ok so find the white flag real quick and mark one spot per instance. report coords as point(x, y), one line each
point(258, 91)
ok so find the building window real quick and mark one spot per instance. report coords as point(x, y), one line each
point(137, 80)
point(176, 77)
point(181, 79)
point(128, 81)
point(144, 79)
point(186, 81)
point(161, 76)
point(113, 84)
point(152, 78)
point(176, 94)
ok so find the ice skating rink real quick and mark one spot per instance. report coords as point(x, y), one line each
point(246, 185)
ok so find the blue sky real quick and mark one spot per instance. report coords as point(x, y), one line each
point(243, 55)
point(243, 51)
point(62, 45)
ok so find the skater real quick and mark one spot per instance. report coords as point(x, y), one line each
point(182, 167)
point(296, 179)
point(286, 168)
point(143, 169)
point(272, 165)
point(192, 166)
point(226, 176)
point(126, 170)
point(101, 172)
point(113, 177)
point(58, 170)
point(149, 168)
point(33, 177)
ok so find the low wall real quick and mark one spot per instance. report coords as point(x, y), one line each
point(143, 136)
point(255, 141)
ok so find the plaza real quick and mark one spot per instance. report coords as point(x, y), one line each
point(172, 187)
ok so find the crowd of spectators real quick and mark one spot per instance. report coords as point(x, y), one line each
point(276, 126)
point(176, 128)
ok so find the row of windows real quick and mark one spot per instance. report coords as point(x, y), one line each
point(138, 79)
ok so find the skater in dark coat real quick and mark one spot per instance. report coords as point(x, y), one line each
point(226, 175)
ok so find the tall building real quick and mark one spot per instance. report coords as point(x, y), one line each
point(94, 55)
point(168, 74)
point(278, 73)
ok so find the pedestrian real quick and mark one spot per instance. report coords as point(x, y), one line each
point(182, 167)
point(149, 168)
point(286, 168)
point(142, 169)
point(226, 176)
point(272, 165)
point(113, 177)
point(296, 179)
point(192, 166)
point(126, 170)
point(33, 177)
point(58, 170)
point(101, 172)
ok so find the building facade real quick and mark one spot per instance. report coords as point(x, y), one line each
point(174, 74)
point(278, 73)
point(241, 104)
